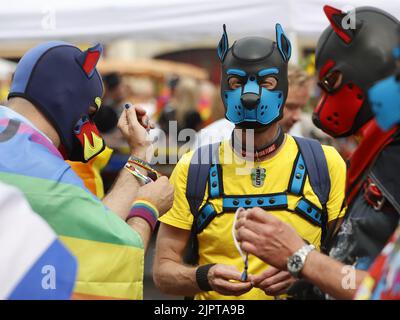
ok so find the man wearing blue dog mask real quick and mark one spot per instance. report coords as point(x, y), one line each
point(254, 82)
point(296, 180)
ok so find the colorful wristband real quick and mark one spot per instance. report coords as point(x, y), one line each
point(145, 210)
point(144, 165)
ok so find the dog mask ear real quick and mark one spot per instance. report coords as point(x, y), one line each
point(88, 59)
point(223, 45)
point(336, 18)
point(283, 43)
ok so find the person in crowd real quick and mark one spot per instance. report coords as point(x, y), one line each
point(115, 93)
point(383, 279)
point(260, 166)
point(142, 92)
point(106, 119)
point(55, 93)
point(372, 190)
point(184, 102)
point(300, 83)
point(167, 103)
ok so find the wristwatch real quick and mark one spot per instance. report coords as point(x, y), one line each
point(295, 263)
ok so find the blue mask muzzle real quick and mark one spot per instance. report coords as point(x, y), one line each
point(384, 98)
point(253, 103)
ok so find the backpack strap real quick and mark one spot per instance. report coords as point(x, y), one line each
point(202, 160)
point(317, 167)
point(198, 173)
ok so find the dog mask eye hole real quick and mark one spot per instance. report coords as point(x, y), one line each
point(235, 82)
point(332, 81)
point(269, 83)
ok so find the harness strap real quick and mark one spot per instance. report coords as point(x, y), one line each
point(206, 214)
point(215, 184)
point(298, 176)
point(309, 211)
point(373, 143)
point(276, 201)
point(270, 201)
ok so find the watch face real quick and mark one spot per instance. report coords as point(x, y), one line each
point(295, 263)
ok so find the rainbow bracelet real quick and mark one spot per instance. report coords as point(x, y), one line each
point(145, 210)
point(144, 165)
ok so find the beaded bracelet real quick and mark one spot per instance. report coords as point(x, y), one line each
point(132, 170)
point(145, 210)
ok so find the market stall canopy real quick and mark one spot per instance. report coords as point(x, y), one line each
point(151, 68)
point(173, 20)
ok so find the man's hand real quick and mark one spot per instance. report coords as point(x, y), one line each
point(267, 237)
point(134, 125)
point(219, 277)
point(160, 193)
point(273, 281)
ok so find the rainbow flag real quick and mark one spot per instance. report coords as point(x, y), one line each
point(110, 254)
point(35, 265)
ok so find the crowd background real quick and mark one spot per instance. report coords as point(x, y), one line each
point(171, 70)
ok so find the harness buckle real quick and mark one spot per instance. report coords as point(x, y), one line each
point(379, 204)
point(373, 195)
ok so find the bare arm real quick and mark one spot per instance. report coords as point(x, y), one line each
point(161, 195)
point(143, 228)
point(134, 125)
point(170, 274)
point(122, 194)
point(329, 275)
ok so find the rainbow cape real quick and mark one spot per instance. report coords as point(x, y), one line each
point(110, 254)
point(34, 264)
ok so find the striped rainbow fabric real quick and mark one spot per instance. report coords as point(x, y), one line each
point(110, 254)
point(35, 265)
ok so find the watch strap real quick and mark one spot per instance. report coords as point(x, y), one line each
point(303, 253)
point(305, 250)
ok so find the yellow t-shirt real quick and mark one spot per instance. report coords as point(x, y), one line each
point(215, 241)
